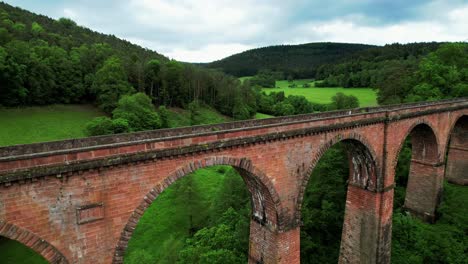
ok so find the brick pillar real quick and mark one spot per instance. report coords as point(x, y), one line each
point(457, 160)
point(424, 190)
point(268, 245)
point(367, 226)
point(457, 165)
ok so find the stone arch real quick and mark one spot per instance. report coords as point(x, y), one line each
point(353, 139)
point(409, 130)
point(457, 151)
point(266, 205)
point(361, 221)
point(33, 241)
point(424, 186)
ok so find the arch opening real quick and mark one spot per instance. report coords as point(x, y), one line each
point(457, 153)
point(419, 178)
point(419, 173)
point(203, 210)
point(342, 168)
point(12, 252)
point(18, 245)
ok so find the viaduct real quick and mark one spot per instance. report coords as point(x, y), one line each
point(79, 201)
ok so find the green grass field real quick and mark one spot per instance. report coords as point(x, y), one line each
point(366, 96)
point(179, 117)
point(45, 123)
point(161, 229)
point(262, 116)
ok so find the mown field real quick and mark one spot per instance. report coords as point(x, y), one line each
point(46, 123)
point(323, 95)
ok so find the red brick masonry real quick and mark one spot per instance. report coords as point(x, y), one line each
point(78, 201)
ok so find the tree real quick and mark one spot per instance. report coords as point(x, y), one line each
point(99, 126)
point(442, 74)
point(164, 116)
point(152, 77)
point(110, 83)
point(36, 29)
point(342, 101)
point(139, 112)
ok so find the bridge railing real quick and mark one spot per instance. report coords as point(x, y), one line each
point(202, 129)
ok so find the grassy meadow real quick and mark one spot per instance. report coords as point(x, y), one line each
point(179, 117)
point(44, 123)
point(323, 95)
point(262, 116)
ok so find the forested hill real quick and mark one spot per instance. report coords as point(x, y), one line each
point(64, 32)
point(300, 61)
point(45, 61)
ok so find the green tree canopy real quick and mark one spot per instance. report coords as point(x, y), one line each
point(110, 84)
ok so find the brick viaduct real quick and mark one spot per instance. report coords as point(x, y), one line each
point(78, 201)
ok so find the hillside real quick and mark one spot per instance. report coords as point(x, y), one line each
point(45, 61)
point(66, 33)
point(300, 61)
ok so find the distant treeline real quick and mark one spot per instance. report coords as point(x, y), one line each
point(295, 61)
point(403, 73)
point(46, 61)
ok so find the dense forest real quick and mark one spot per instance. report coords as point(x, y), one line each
point(404, 73)
point(297, 61)
point(45, 61)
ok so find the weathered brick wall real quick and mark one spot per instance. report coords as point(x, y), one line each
point(457, 161)
point(85, 199)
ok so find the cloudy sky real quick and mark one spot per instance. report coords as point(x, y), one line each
point(207, 30)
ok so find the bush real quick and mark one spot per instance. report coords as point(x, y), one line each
point(139, 111)
point(120, 125)
point(99, 126)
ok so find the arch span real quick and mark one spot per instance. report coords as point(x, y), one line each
point(457, 149)
point(425, 129)
point(426, 170)
point(360, 230)
point(265, 201)
point(360, 147)
point(33, 241)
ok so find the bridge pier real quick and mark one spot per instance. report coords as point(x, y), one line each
point(424, 190)
point(457, 165)
point(268, 245)
point(366, 235)
point(457, 160)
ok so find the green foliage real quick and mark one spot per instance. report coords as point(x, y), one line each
point(442, 74)
point(323, 208)
point(13, 252)
point(266, 78)
point(322, 96)
point(99, 126)
point(416, 242)
point(444, 242)
point(295, 61)
point(110, 83)
point(36, 29)
point(342, 101)
point(139, 112)
point(58, 61)
point(120, 125)
point(201, 218)
point(47, 123)
point(140, 256)
point(164, 116)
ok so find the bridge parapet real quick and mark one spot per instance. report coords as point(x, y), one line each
point(95, 152)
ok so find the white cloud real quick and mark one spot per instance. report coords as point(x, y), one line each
point(206, 30)
point(207, 53)
point(452, 28)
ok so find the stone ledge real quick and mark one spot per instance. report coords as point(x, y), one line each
point(60, 169)
point(165, 134)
